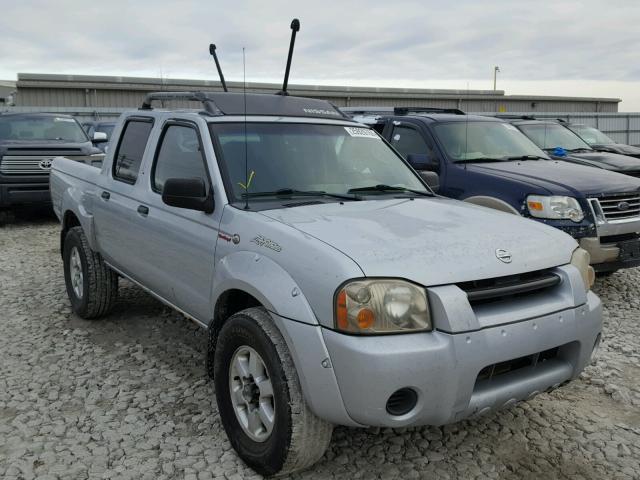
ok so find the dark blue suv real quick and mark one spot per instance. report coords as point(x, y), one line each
point(489, 162)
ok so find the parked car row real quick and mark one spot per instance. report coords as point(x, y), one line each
point(510, 165)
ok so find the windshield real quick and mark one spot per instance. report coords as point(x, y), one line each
point(591, 135)
point(308, 158)
point(552, 135)
point(41, 128)
point(466, 141)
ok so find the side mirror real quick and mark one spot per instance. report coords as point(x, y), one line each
point(190, 193)
point(99, 137)
point(430, 178)
point(421, 161)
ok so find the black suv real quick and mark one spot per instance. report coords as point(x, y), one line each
point(599, 141)
point(28, 144)
point(561, 143)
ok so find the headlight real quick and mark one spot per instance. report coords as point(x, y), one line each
point(581, 260)
point(555, 207)
point(381, 306)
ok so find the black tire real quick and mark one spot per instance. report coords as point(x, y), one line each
point(298, 438)
point(99, 283)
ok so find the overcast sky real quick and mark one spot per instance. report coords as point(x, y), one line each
point(585, 48)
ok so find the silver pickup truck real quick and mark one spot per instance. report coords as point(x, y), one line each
point(336, 288)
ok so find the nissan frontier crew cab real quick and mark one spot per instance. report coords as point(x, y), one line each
point(489, 162)
point(336, 287)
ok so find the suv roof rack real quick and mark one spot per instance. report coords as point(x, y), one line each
point(410, 110)
point(381, 111)
point(516, 117)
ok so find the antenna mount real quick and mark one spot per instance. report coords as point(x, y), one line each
point(212, 52)
point(295, 28)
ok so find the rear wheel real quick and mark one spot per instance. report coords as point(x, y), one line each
point(259, 398)
point(92, 287)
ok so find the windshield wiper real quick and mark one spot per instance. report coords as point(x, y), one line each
point(479, 159)
point(580, 150)
point(389, 188)
point(527, 157)
point(288, 192)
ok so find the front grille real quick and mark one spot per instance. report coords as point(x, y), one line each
point(530, 361)
point(30, 164)
point(501, 288)
point(23, 165)
point(618, 207)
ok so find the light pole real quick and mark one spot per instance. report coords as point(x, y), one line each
point(496, 69)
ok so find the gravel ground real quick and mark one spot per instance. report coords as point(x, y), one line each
point(127, 396)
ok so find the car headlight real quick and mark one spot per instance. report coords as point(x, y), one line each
point(381, 306)
point(555, 207)
point(581, 260)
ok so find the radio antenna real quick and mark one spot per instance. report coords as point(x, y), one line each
point(212, 52)
point(246, 155)
point(295, 27)
point(466, 130)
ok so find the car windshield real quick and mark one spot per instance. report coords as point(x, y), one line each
point(551, 135)
point(289, 159)
point(41, 128)
point(591, 135)
point(473, 140)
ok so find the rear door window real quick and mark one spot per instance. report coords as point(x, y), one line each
point(408, 140)
point(128, 156)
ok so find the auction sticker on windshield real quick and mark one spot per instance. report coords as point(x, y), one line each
point(361, 132)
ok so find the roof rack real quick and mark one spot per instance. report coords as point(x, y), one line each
point(209, 104)
point(410, 110)
point(516, 117)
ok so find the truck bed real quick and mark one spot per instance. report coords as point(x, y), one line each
point(70, 179)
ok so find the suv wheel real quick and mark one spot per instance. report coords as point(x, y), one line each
point(92, 287)
point(259, 398)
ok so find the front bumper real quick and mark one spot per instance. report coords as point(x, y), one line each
point(24, 191)
point(443, 368)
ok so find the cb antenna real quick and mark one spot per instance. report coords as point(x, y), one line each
point(246, 154)
point(295, 27)
point(212, 52)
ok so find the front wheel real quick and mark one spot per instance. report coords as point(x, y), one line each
point(92, 287)
point(259, 398)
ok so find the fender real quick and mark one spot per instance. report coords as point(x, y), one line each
point(491, 202)
point(265, 280)
point(74, 200)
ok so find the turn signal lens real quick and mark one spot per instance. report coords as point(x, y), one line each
point(366, 318)
point(581, 259)
point(341, 311)
point(535, 206)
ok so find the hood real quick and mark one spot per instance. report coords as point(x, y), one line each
point(620, 148)
point(606, 160)
point(37, 146)
point(561, 178)
point(431, 241)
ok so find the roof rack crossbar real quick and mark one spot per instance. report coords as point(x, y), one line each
point(516, 117)
point(208, 103)
point(407, 110)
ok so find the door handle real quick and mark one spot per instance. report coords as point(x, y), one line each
point(142, 210)
point(105, 195)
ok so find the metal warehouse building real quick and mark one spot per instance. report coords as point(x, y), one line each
point(106, 96)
